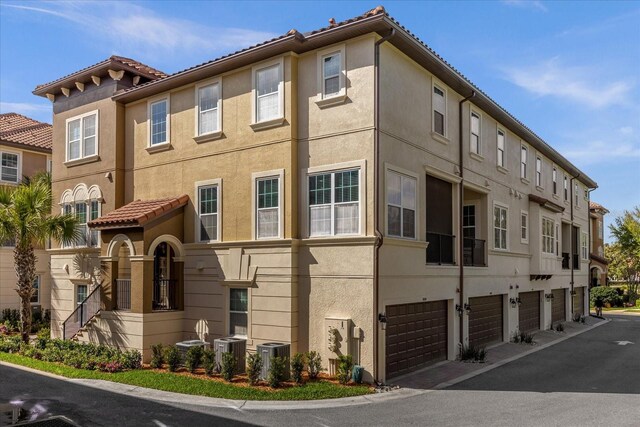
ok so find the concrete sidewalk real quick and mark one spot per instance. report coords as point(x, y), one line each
point(435, 377)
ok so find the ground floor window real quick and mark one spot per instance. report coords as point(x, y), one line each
point(238, 311)
point(35, 298)
point(81, 293)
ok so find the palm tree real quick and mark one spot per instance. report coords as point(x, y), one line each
point(25, 219)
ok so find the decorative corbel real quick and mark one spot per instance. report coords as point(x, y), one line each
point(136, 80)
point(116, 75)
point(80, 86)
point(51, 97)
point(96, 80)
point(65, 91)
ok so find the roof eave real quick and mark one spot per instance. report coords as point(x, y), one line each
point(26, 147)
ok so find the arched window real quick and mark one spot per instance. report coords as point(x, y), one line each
point(86, 204)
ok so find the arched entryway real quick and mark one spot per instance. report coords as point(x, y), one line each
point(167, 253)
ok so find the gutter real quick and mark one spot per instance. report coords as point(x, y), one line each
point(376, 190)
point(573, 240)
point(461, 215)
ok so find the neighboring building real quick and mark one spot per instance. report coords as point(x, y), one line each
point(25, 149)
point(300, 186)
point(598, 264)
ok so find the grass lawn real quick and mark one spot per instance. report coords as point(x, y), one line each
point(319, 389)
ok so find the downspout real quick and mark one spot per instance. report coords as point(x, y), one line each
point(572, 239)
point(460, 215)
point(376, 190)
point(589, 248)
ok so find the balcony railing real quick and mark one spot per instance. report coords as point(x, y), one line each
point(85, 311)
point(440, 249)
point(164, 294)
point(565, 261)
point(123, 294)
point(474, 252)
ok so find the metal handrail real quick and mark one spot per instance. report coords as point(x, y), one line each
point(474, 252)
point(435, 252)
point(164, 294)
point(85, 311)
point(123, 294)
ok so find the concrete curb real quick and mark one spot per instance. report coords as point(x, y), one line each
point(240, 405)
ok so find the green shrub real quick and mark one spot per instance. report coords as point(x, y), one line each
point(559, 327)
point(474, 353)
point(131, 359)
point(277, 369)
point(522, 337)
point(254, 367)
point(157, 356)
point(193, 358)
point(314, 361)
point(10, 344)
point(208, 361)
point(297, 366)
point(228, 366)
point(172, 354)
point(345, 365)
point(11, 318)
point(607, 294)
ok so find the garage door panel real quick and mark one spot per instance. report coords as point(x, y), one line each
point(416, 335)
point(529, 312)
point(485, 320)
point(558, 306)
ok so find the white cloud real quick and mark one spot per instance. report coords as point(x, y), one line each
point(580, 84)
point(599, 151)
point(626, 130)
point(23, 107)
point(528, 4)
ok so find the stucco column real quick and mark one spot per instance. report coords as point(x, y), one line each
point(141, 284)
point(109, 291)
point(178, 276)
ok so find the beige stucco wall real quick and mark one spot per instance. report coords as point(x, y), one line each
point(8, 296)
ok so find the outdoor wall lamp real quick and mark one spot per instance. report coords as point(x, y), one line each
point(548, 297)
point(382, 318)
point(513, 302)
point(518, 301)
point(459, 309)
point(467, 308)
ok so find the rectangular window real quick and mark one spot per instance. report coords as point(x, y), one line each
point(401, 205)
point(35, 298)
point(238, 312)
point(524, 227)
point(554, 178)
point(439, 110)
point(500, 227)
point(600, 230)
point(331, 70)
point(159, 112)
point(475, 133)
point(81, 293)
point(9, 167)
point(334, 203)
point(268, 208)
point(268, 85)
point(469, 222)
point(94, 213)
point(584, 246)
point(501, 148)
point(538, 171)
point(566, 189)
point(82, 136)
point(557, 239)
point(208, 213)
point(81, 216)
point(576, 193)
point(523, 162)
point(548, 236)
point(208, 100)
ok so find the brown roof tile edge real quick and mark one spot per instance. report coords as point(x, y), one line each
point(159, 208)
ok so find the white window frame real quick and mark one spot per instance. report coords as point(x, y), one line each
point(211, 82)
point(403, 174)
point(166, 98)
point(342, 93)
point(255, 177)
point(39, 287)
point(75, 297)
point(539, 171)
point(576, 194)
point(525, 228)
point(208, 183)
point(565, 188)
point(554, 180)
point(440, 86)
point(504, 148)
point(550, 245)
point(228, 311)
point(524, 161)
point(584, 246)
point(475, 113)
point(18, 169)
point(279, 119)
point(600, 229)
point(332, 168)
point(82, 156)
point(506, 208)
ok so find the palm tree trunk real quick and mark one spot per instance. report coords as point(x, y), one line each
point(25, 264)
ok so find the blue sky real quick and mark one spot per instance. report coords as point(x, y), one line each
point(569, 70)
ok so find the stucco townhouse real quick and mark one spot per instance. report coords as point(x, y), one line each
point(342, 183)
point(599, 265)
point(25, 149)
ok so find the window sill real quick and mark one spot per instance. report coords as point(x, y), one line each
point(158, 147)
point(540, 189)
point(525, 181)
point(440, 138)
point(555, 196)
point(208, 137)
point(3, 182)
point(502, 169)
point(82, 161)
point(476, 156)
point(267, 124)
point(330, 102)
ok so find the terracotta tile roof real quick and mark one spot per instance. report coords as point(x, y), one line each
point(139, 212)
point(144, 69)
point(596, 206)
point(18, 129)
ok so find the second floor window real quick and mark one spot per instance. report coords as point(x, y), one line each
point(268, 100)
point(208, 213)
point(331, 70)
point(523, 162)
point(500, 227)
point(576, 194)
point(566, 189)
point(584, 246)
point(208, 118)
point(268, 208)
point(538, 171)
point(439, 110)
point(500, 148)
point(554, 178)
point(524, 226)
point(600, 230)
point(548, 236)
point(334, 203)
point(401, 205)
point(81, 216)
point(475, 133)
point(82, 136)
point(9, 167)
point(159, 112)
point(35, 298)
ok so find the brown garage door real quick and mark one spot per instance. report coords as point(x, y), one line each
point(485, 320)
point(578, 301)
point(416, 336)
point(558, 306)
point(529, 311)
